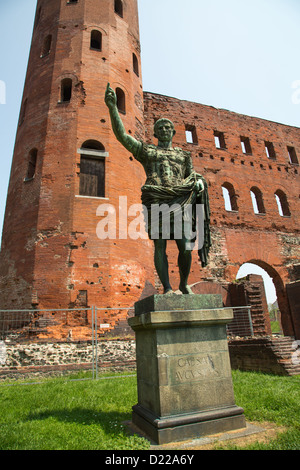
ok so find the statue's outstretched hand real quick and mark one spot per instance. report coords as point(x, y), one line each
point(110, 97)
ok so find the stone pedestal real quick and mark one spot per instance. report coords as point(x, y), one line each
point(183, 368)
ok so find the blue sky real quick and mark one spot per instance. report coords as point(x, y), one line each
point(240, 55)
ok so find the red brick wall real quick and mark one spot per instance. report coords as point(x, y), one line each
point(51, 256)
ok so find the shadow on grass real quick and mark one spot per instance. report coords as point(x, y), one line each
point(110, 421)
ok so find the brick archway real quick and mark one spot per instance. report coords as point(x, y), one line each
point(286, 319)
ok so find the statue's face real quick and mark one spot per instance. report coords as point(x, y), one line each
point(164, 131)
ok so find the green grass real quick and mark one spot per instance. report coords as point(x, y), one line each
point(275, 327)
point(271, 398)
point(61, 414)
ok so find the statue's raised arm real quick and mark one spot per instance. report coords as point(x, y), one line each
point(131, 144)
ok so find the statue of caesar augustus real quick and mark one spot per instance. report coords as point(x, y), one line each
point(170, 180)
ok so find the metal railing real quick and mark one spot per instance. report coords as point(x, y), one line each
point(59, 339)
point(72, 339)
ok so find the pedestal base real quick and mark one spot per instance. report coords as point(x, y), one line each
point(183, 368)
point(190, 426)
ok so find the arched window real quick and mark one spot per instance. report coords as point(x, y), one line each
point(282, 203)
point(93, 145)
point(92, 169)
point(66, 90)
point(230, 197)
point(31, 164)
point(119, 8)
point(121, 101)
point(46, 46)
point(257, 200)
point(135, 64)
point(96, 40)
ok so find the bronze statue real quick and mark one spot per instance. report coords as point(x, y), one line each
point(170, 180)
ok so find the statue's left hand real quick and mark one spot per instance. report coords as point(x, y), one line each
point(199, 186)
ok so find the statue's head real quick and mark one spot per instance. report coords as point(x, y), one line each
point(164, 130)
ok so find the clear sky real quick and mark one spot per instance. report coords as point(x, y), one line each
point(240, 55)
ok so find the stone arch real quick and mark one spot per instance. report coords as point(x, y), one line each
point(286, 319)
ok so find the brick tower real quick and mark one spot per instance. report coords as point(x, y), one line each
point(67, 162)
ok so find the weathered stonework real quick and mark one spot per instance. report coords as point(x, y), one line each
point(36, 359)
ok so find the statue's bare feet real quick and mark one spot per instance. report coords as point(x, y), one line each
point(185, 289)
point(169, 291)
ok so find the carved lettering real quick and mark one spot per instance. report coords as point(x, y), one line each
point(193, 368)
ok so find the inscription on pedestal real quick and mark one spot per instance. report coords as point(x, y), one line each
point(188, 369)
point(194, 368)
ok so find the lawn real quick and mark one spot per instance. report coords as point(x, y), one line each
point(63, 414)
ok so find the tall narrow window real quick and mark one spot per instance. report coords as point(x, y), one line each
point(293, 156)
point(191, 134)
point(230, 198)
point(135, 64)
point(96, 40)
point(246, 147)
point(66, 90)
point(257, 200)
point(32, 158)
point(92, 169)
point(220, 140)
point(121, 101)
point(282, 203)
point(46, 46)
point(270, 151)
point(119, 8)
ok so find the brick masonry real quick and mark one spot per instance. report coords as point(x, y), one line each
point(51, 255)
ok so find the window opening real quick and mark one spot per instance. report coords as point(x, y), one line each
point(135, 64)
point(119, 8)
point(31, 164)
point(96, 40)
point(293, 156)
point(282, 203)
point(93, 145)
point(191, 134)
point(230, 197)
point(121, 102)
point(270, 151)
point(92, 170)
point(66, 90)
point(46, 46)
point(246, 147)
point(257, 201)
point(219, 140)
point(92, 176)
